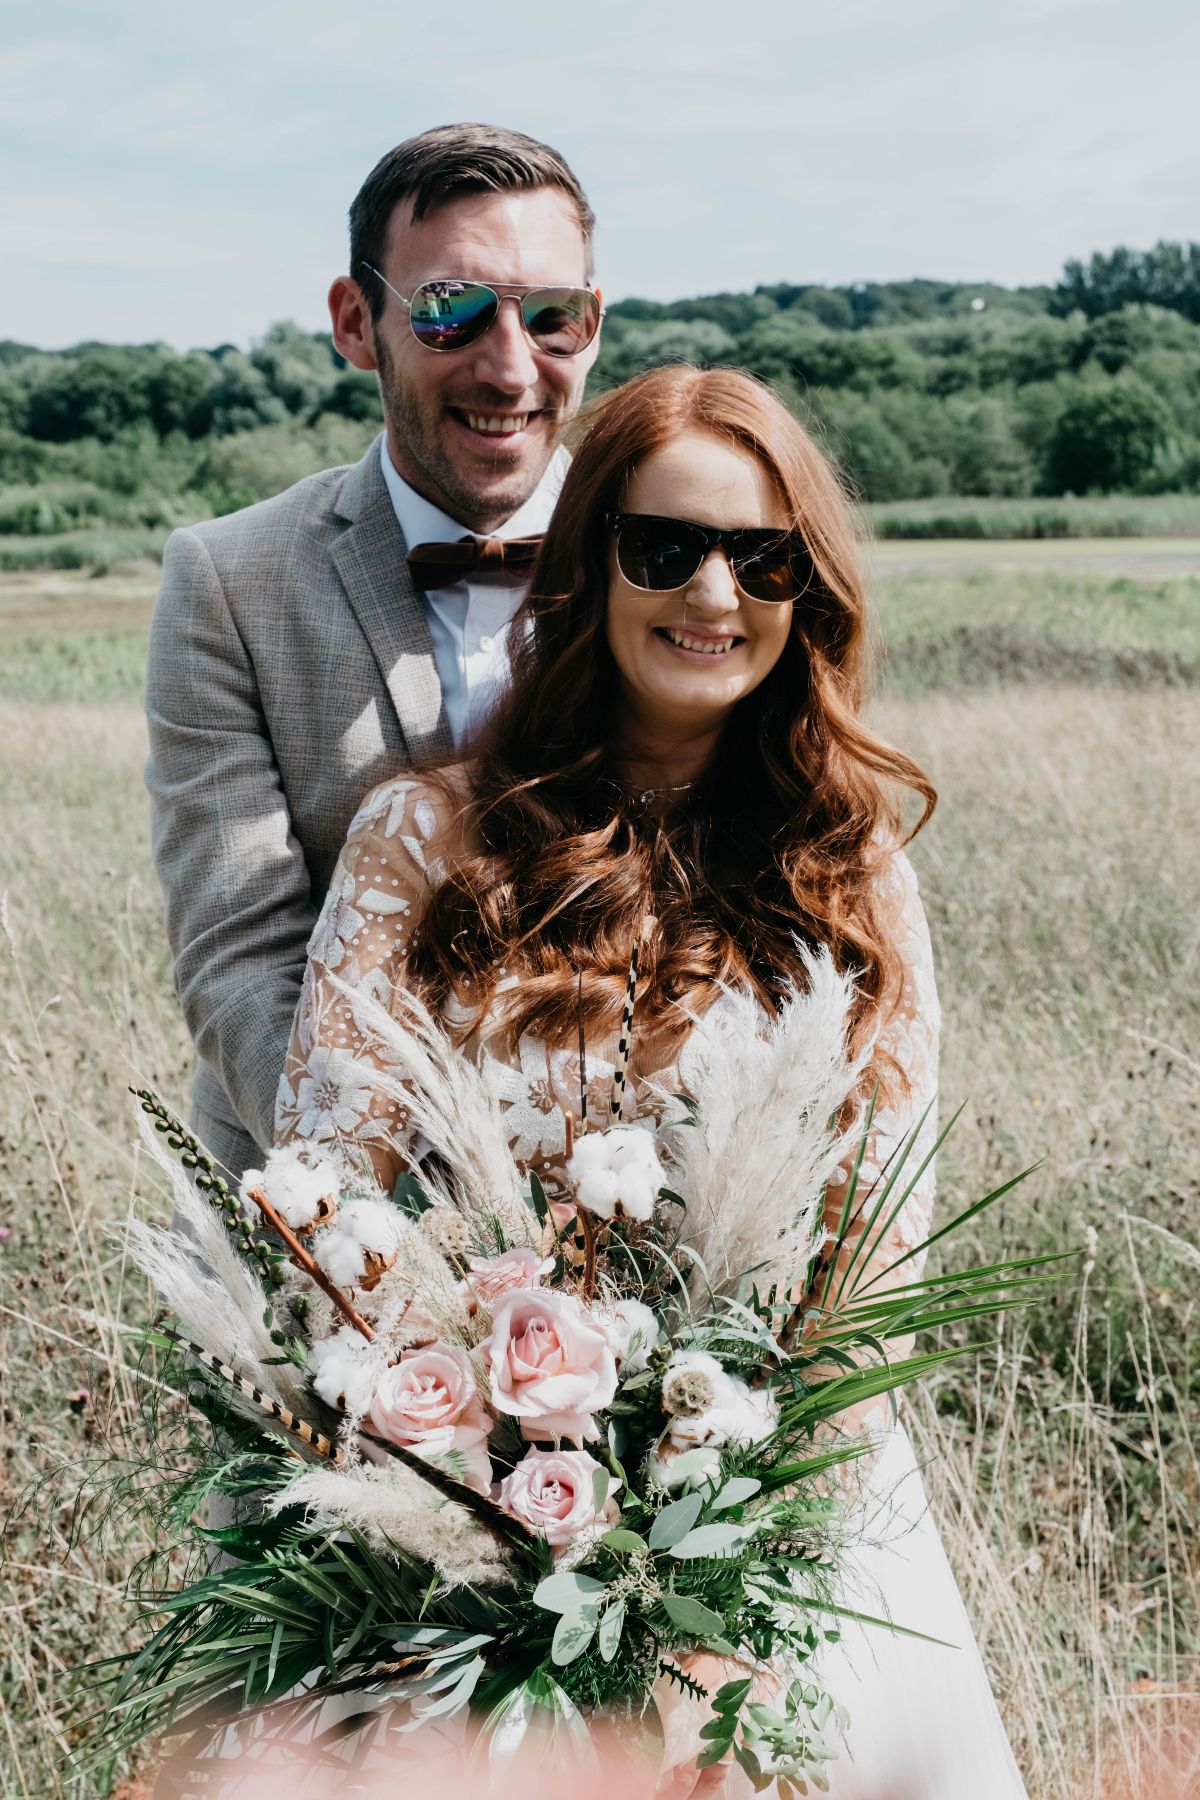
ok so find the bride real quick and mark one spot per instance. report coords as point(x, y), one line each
point(681, 757)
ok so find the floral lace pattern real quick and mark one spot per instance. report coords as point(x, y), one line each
point(393, 858)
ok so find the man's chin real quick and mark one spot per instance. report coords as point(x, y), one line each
point(493, 476)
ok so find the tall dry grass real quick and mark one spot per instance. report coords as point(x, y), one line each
point(1060, 879)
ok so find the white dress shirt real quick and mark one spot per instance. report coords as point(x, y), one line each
point(469, 620)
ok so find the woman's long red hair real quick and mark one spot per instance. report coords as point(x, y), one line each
point(780, 841)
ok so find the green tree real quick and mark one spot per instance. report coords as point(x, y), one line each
point(1168, 275)
point(238, 399)
point(95, 393)
point(354, 395)
point(298, 367)
point(176, 388)
point(1108, 437)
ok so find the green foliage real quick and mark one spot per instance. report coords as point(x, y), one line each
point(1168, 275)
point(1108, 437)
point(920, 389)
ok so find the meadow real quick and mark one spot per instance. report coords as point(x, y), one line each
point(1053, 691)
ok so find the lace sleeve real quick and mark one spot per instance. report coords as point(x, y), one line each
point(910, 1036)
point(383, 878)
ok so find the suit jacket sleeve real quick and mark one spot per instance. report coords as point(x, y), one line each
point(239, 905)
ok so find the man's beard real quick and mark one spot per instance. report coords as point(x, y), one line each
point(416, 428)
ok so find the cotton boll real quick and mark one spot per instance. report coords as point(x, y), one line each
point(636, 1193)
point(302, 1190)
point(635, 1148)
point(753, 1414)
point(661, 1469)
point(591, 1152)
point(598, 1192)
point(633, 1318)
point(342, 1370)
point(341, 1256)
point(372, 1223)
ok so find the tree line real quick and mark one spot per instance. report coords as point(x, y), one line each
point(919, 388)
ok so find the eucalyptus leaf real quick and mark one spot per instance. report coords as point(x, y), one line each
point(675, 1520)
point(572, 1635)
point(600, 1481)
point(611, 1626)
point(567, 1593)
point(710, 1540)
point(692, 1616)
point(735, 1491)
point(620, 1539)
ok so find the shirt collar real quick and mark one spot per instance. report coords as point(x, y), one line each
point(424, 523)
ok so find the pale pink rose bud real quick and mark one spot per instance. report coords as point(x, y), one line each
point(489, 1278)
point(550, 1363)
point(428, 1403)
point(552, 1494)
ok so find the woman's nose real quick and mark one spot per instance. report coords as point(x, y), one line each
point(713, 587)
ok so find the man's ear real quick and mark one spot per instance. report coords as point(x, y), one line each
point(350, 317)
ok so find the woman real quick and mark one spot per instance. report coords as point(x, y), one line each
point(680, 760)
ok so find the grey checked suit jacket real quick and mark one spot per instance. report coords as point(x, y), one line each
point(290, 670)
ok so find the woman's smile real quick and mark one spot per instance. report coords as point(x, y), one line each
point(686, 641)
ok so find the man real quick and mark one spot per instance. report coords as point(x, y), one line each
point(296, 659)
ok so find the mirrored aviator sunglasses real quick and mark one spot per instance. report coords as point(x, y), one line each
point(449, 315)
point(661, 554)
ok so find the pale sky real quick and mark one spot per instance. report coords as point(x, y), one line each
point(183, 172)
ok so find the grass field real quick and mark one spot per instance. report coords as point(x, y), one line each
point(1060, 875)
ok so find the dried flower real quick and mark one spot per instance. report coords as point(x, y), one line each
point(708, 1407)
point(691, 1382)
point(445, 1230)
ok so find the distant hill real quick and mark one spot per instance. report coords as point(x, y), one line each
point(919, 388)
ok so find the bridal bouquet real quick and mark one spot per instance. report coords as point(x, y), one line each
point(509, 1464)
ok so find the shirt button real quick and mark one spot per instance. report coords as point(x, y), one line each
point(487, 645)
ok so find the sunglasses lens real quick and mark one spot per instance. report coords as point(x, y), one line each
point(658, 553)
point(561, 321)
point(447, 315)
point(769, 567)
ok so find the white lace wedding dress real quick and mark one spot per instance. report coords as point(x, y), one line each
point(924, 1725)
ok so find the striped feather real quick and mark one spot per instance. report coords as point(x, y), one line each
point(308, 1434)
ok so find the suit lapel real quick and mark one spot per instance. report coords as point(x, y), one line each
point(369, 557)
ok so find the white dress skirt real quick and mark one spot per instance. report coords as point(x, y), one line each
point(923, 1721)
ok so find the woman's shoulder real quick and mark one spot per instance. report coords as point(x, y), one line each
point(419, 813)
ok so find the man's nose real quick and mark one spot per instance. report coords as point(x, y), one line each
point(712, 588)
point(505, 359)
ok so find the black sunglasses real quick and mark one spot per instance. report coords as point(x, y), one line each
point(660, 554)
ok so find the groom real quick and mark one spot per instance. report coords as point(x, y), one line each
point(300, 651)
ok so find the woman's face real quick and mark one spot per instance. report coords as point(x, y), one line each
point(686, 657)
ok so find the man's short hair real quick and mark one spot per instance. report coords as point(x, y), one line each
point(438, 166)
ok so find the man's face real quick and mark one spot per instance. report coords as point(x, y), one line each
point(439, 404)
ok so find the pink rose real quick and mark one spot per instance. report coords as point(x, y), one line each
point(552, 1495)
point(491, 1277)
point(551, 1367)
point(427, 1403)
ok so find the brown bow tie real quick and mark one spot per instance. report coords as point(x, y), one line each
point(437, 565)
